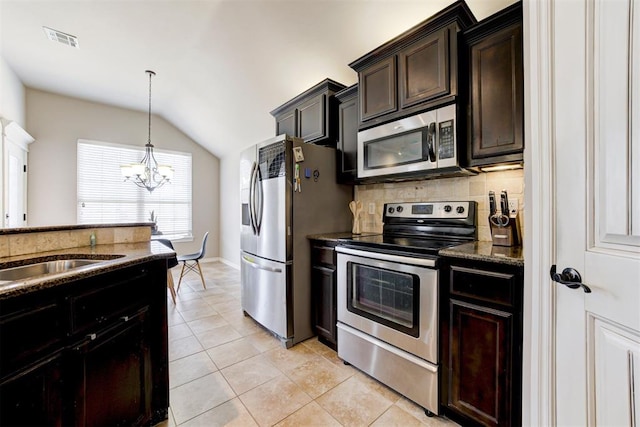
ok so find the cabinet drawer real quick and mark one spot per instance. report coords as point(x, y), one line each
point(117, 297)
point(484, 285)
point(323, 255)
point(28, 334)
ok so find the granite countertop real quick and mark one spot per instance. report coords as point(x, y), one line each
point(486, 251)
point(127, 254)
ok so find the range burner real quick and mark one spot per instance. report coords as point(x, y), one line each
point(421, 228)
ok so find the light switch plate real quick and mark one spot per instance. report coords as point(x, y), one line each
point(372, 208)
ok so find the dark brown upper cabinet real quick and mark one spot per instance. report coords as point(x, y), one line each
point(312, 115)
point(424, 69)
point(414, 72)
point(496, 101)
point(380, 81)
point(347, 148)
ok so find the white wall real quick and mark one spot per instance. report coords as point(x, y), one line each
point(57, 122)
point(12, 94)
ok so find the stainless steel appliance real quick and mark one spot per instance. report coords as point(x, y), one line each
point(423, 144)
point(388, 295)
point(288, 191)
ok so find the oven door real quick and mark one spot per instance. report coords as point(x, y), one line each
point(390, 297)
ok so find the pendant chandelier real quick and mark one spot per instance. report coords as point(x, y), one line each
point(147, 174)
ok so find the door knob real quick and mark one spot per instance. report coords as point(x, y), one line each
point(569, 277)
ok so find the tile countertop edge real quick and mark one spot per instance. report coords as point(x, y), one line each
point(486, 251)
point(134, 253)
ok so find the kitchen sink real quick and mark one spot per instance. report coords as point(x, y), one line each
point(41, 268)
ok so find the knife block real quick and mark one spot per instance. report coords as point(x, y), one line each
point(507, 235)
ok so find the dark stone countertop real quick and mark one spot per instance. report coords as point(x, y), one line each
point(334, 237)
point(486, 251)
point(128, 254)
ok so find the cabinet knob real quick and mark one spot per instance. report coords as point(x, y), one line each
point(91, 337)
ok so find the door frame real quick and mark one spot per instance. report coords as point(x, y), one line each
point(538, 390)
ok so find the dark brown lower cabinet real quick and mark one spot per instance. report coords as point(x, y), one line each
point(323, 291)
point(99, 358)
point(33, 396)
point(482, 343)
point(114, 372)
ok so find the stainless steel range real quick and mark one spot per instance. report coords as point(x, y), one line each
point(388, 295)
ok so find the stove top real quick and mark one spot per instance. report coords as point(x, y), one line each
point(401, 244)
point(421, 228)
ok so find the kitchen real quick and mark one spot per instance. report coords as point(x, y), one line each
point(535, 214)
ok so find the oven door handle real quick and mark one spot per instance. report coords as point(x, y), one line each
point(424, 262)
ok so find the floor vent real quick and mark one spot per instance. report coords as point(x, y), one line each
point(60, 37)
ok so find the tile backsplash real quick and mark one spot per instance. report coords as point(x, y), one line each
point(474, 188)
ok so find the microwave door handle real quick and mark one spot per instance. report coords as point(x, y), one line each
point(431, 142)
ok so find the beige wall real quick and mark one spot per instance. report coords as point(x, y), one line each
point(474, 188)
point(57, 122)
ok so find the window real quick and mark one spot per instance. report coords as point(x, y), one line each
point(105, 198)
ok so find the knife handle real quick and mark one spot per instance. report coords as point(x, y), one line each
point(492, 203)
point(504, 203)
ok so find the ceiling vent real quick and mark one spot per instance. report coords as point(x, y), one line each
point(60, 37)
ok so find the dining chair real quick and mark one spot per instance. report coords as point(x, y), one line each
point(172, 262)
point(192, 261)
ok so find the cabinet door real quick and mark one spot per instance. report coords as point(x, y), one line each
point(424, 69)
point(324, 297)
point(287, 123)
point(377, 85)
point(33, 397)
point(115, 376)
point(480, 371)
point(348, 140)
point(311, 119)
point(497, 92)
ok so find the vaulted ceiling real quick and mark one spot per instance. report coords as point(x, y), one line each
point(221, 65)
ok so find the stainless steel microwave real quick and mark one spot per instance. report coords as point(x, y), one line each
point(423, 142)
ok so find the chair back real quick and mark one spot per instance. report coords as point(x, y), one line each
point(173, 261)
point(204, 246)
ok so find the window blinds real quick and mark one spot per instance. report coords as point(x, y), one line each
point(104, 196)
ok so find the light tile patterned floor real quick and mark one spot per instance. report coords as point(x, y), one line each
point(225, 369)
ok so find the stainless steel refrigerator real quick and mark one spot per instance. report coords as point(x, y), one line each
point(288, 191)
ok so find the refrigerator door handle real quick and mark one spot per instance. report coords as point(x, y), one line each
point(246, 260)
point(259, 208)
point(252, 196)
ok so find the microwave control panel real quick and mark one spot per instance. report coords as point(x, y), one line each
point(446, 143)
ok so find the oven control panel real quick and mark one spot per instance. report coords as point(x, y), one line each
point(430, 210)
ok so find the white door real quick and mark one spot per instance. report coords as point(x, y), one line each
point(15, 185)
point(595, 110)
